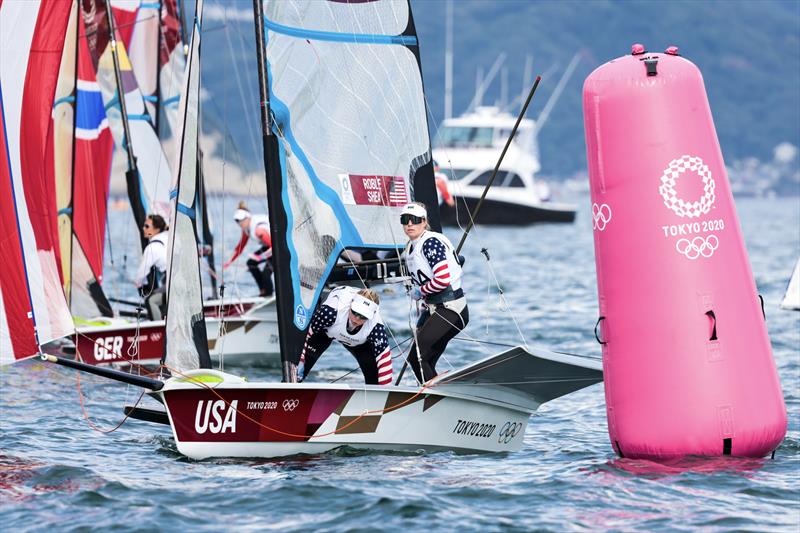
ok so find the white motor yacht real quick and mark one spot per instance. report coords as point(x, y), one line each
point(468, 148)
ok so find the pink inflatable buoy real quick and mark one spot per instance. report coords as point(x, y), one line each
point(688, 366)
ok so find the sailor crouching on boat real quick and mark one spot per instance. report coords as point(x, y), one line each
point(255, 227)
point(153, 266)
point(436, 279)
point(351, 317)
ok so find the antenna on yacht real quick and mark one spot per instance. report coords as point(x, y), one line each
point(503, 87)
point(542, 118)
point(484, 83)
point(448, 62)
point(474, 214)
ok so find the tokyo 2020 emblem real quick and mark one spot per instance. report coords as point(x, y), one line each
point(675, 170)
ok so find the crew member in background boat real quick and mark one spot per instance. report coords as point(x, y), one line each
point(436, 279)
point(153, 266)
point(442, 186)
point(351, 317)
point(255, 227)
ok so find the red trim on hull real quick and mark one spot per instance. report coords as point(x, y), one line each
point(230, 415)
point(105, 347)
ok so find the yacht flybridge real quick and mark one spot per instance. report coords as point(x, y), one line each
point(468, 148)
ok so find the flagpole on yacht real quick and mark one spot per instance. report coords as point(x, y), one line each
point(474, 214)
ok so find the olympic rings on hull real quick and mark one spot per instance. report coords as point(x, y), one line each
point(508, 431)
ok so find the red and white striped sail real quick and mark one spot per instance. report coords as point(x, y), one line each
point(34, 310)
point(154, 171)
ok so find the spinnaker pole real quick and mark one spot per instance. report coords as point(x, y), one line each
point(474, 214)
point(132, 174)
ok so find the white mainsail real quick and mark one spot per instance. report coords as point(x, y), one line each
point(791, 300)
point(345, 88)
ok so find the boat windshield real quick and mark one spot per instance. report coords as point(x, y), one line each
point(460, 136)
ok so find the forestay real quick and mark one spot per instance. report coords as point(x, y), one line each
point(186, 344)
point(345, 90)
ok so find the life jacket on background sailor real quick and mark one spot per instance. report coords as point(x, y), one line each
point(442, 186)
point(151, 274)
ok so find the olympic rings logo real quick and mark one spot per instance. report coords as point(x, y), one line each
point(509, 431)
point(698, 246)
point(681, 207)
point(601, 216)
point(290, 405)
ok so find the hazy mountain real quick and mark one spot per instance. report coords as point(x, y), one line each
point(748, 52)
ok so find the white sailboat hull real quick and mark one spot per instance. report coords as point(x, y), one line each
point(429, 421)
point(249, 334)
point(484, 407)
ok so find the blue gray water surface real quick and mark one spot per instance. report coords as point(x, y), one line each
point(57, 472)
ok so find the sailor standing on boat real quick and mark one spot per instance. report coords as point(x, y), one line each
point(436, 279)
point(152, 269)
point(255, 227)
point(351, 317)
point(442, 186)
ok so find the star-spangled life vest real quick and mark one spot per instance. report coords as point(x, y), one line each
point(255, 222)
point(340, 299)
point(417, 264)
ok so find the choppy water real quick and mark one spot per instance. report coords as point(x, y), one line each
point(57, 472)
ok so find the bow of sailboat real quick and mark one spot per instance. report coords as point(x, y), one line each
point(521, 378)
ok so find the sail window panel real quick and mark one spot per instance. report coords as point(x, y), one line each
point(351, 115)
point(352, 130)
point(380, 17)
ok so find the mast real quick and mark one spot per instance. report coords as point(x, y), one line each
point(207, 236)
point(159, 37)
point(277, 216)
point(132, 174)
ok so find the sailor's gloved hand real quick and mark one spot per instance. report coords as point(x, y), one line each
point(301, 369)
point(415, 293)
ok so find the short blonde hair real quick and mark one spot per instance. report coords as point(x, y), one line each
point(371, 295)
